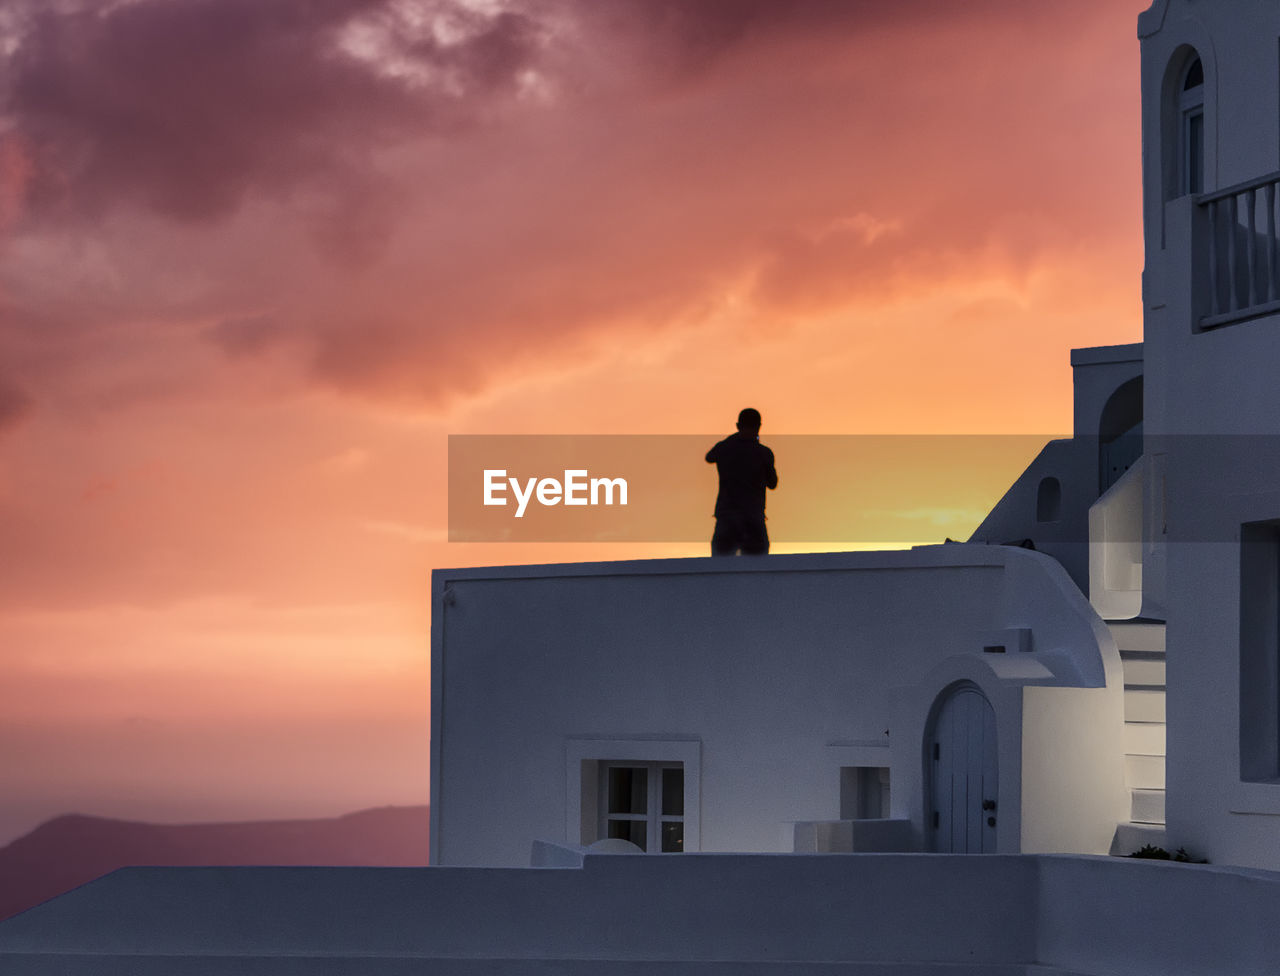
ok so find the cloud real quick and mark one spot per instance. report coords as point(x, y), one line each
point(187, 108)
point(678, 41)
point(14, 405)
point(246, 335)
point(415, 201)
point(409, 533)
point(15, 175)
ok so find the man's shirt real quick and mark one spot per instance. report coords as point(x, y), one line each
point(746, 469)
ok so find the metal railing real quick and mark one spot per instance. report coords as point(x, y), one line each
point(1243, 246)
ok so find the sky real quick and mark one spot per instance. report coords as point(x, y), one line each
point(260, 258)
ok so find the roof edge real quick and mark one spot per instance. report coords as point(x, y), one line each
point(1130, 352)
point(1152, 19)
point(946, 556)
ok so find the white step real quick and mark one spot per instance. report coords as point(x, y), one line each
point(1138, 637)
point(1143, 706)
point(1146, 806)
point(1143, 670)
point(1132, 837)
point(1144, 738)
point(1144, 772)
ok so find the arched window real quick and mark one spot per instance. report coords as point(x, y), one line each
point(1191, 128)
point(1049, 500)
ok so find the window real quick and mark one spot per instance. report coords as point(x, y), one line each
point(1260, 651)
point(864, 792)
point(643, 803)
point(1191, 129)
point(1049, 500)
point(670, 775)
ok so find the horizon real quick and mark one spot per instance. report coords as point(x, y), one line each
point(257, 269)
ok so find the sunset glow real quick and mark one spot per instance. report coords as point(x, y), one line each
point(258, 260)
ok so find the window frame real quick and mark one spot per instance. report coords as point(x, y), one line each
point(584, 756)
point(1259, 716)
point(1247, 788)
point(1191, 171)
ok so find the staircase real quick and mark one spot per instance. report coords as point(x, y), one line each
point(1141, 645)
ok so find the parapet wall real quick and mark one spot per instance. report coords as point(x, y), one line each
point(863, 913)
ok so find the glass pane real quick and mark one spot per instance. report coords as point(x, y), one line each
point(1195, 153)
point(672, 837)
point(627, 790)
point(673, 792)
point(632, 830)
point(1195, 76)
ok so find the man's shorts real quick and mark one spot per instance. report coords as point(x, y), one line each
point(740, 535)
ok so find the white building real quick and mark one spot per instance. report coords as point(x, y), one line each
point(974, 697)
point(1211, 136)
point(710, 705)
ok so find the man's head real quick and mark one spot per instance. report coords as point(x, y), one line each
point(749, 421)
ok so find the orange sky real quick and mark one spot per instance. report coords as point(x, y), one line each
point(257, 261)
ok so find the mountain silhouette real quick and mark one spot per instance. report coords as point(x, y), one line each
point(70, 850)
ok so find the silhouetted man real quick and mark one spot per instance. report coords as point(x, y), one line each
point(746, 469)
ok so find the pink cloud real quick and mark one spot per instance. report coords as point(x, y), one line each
point(402, 216)
point(14, 405)
point(188, 108)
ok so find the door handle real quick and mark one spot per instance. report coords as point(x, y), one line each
point(988, 804)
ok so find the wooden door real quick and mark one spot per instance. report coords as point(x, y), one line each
point(963, 773)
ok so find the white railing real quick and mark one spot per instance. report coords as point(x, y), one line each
point(1242, 244)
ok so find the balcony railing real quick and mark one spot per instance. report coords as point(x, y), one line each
point(1244, 277)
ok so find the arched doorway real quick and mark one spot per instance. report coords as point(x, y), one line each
point(1120, 433)
point(963, 772)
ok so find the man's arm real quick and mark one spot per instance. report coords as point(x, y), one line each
point(770, 476)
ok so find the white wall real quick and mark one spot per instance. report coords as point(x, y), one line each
point(1075, 466)
point(769, 674)
point(886, 914)
point(1116, 547)
point(1073, 786)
